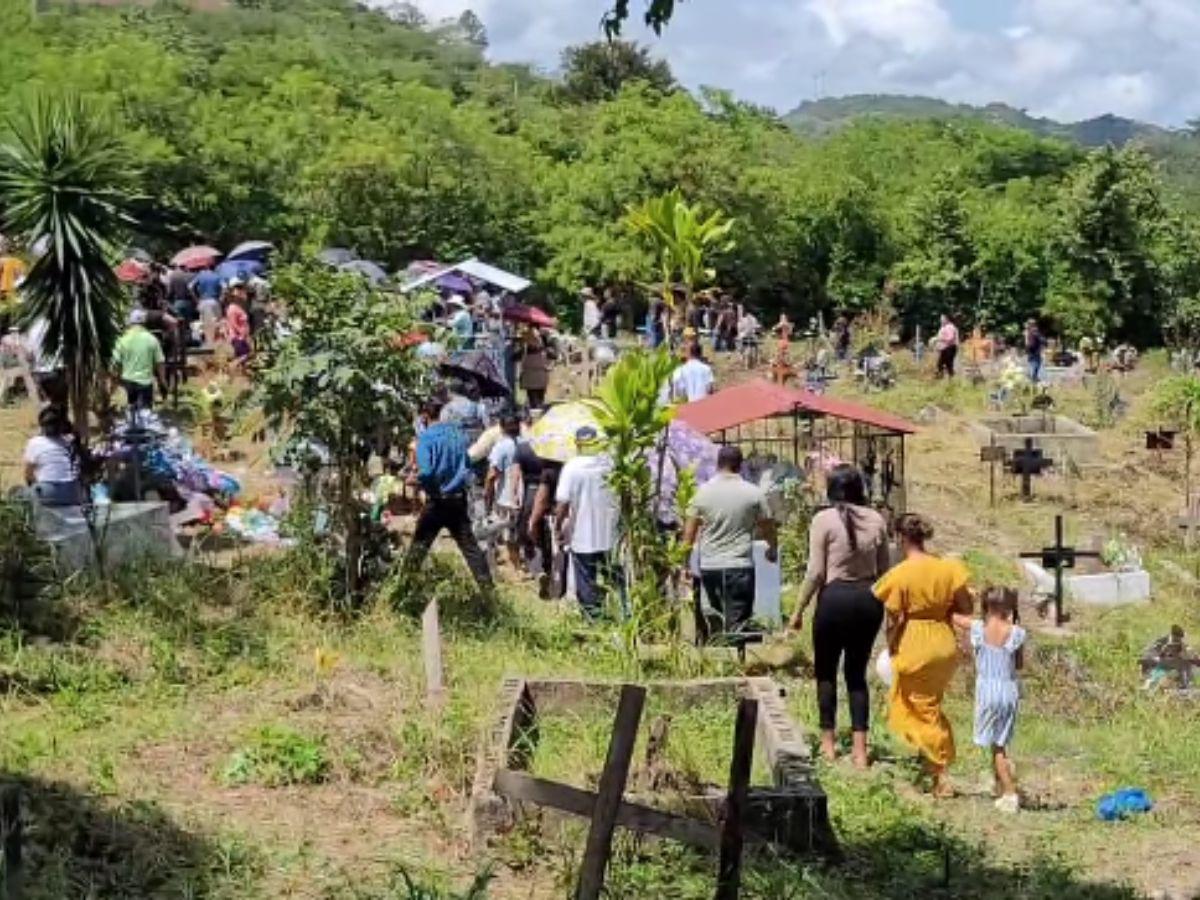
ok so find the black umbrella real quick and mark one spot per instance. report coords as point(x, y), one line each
point(480, 367)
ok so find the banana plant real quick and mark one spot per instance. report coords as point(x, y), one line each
point(684, 238)
point(627, 410)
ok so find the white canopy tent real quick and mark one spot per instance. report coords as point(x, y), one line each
point(474, 268)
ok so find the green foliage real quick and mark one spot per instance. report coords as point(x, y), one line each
point(684, 239)
point(1111, 219)
point(275, 756)
point(326, 122)
point(406, 886)
point(598, 70)
point(627, 409)
point(65, 178)
point(1177, 401)
point(658, 13)
point(1182, 327)
point(337, 381)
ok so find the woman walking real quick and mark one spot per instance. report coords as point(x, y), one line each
point(921, 595)
point(847, 552)
point(535, 369)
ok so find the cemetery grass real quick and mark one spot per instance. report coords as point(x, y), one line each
point(235, 741)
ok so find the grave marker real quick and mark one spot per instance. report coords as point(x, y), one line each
point(1028, 464)
point(1058, 558)
point(729, 872)
point(1162, 439)
point(610, 791)
point(993, 454)
point(431, 652)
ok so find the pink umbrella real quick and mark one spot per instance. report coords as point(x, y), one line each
point(132, 271)
point(196, 258)
point(530, 315)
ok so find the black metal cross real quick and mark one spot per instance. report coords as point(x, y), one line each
point(1058, 558)
point(1029, 463)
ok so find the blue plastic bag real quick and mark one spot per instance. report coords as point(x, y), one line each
point(1123, 803)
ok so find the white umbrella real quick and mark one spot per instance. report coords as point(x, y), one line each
point(251, 250)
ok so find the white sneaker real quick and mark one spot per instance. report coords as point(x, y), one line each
point(1009, 803)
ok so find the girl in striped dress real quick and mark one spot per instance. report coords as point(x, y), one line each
point(997, 641)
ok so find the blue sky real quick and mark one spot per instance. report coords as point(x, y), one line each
point(1068, 59)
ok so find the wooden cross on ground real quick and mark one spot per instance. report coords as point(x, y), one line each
point(608, 805)
point(991, 455)
point(1028, 464)
point(1189, 522)
point(1059, 557)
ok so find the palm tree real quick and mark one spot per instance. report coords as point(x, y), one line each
point(684, 238)
point(65, 181)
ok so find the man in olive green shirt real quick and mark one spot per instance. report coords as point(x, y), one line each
point(138, 361)
point(725, 515)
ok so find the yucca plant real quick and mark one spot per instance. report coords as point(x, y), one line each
point(684, 237)
point(66, 180)
point(627, 409)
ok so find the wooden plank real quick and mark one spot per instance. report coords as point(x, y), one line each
point(611, 789)
point(522, 788)
point(729, 873)
point(431, 650)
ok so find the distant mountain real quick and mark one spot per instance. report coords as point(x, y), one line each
point(829, 114)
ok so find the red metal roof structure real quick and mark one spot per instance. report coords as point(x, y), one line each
point(755, 400)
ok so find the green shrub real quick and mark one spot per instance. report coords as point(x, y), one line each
point(276, 756)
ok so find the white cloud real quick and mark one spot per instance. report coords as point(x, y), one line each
point(1066, 58)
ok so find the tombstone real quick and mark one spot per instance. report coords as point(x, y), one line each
point(1029, 463)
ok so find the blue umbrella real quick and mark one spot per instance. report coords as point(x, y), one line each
point(373, 272)
point(255, 250)
point(456, 284)
point(240, 269)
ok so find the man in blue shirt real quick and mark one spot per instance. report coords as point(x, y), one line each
point(443, 470)
point(207, 285)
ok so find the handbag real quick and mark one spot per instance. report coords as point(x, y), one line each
point(883, 666)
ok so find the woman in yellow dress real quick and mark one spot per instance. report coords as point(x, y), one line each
point(921, 595)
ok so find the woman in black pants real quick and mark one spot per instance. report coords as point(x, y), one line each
point(848, 551)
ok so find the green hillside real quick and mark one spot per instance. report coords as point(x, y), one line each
point(822, 116)
point(324, 123)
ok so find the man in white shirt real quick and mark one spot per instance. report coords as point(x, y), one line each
point(588, 520)
point(591, 314)
point(502, 492)
point(693, 380)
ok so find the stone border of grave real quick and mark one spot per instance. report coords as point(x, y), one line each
point(1058, 437)
point(791, 814)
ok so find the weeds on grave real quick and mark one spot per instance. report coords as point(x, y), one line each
point(276, 756)
point(461, 605)
point(408, 884)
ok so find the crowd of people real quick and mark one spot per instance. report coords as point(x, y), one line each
point(862, 573)
point(560, 521)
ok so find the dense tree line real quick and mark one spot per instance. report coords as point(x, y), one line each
point(318, 122)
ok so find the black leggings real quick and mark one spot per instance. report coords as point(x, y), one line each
point(847, 620)
point(945, 364)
